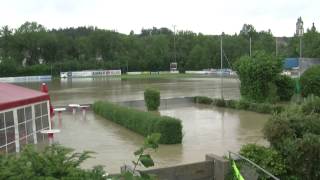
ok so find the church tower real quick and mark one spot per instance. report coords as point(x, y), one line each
point(299, 27)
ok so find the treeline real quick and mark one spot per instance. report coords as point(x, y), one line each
point(152, 49)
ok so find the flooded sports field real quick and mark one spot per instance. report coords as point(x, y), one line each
point(206, 129)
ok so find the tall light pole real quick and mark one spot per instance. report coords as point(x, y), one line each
point(174, 42)
point(250, 45)
point(221, 66)
point(276, 46)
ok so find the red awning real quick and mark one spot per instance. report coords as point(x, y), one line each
point(13, 96)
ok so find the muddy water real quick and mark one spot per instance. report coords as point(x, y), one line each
point(206, 129)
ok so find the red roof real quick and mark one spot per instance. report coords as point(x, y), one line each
point(13, 96)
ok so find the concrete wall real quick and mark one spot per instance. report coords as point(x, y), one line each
point(213, 168)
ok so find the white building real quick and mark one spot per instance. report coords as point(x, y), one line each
point(23, 114)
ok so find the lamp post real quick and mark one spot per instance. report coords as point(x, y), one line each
point(174, 42)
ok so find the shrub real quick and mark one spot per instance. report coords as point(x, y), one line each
point(202, 100)
point(55, 162)
point(267, 158)
point(261, 107)
point(272, 94)
point(285, 87)
point(231, 103)
point(311, 105)
point(243, 104)
point(152, 99)
point(256, 73)
point(144, 123)
point(310, 81)
point(219, 102)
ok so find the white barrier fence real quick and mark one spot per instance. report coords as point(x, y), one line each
point(26, 79)
point(89, 73)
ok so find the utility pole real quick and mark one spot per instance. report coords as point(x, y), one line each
point(276, 46)
point(300, 46)
point(221, 66)
point(174, 42)
point(250, 45)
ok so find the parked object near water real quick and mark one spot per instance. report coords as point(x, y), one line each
point(24, 113)
point(89, 73)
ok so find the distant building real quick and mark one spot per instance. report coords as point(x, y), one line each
point(299, 27)
point(297, 66)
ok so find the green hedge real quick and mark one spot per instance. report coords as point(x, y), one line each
point(202, 100)
point(152, 99)
point(144, 123)
point(285, 87)
point(310, 81)
point(241, 104)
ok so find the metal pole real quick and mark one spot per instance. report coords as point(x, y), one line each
point(221, 66)
point(254, 164)
point(300, 46)
point(250, 46)
point(174, 42)
point(276, 46)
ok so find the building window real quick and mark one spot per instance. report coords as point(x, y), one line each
point(42, 120)
point(24, 128)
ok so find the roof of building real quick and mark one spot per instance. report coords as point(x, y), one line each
point(12, 96)
point(290, 63)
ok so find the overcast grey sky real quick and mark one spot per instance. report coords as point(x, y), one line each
point(206, 16)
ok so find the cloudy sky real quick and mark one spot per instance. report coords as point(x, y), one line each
point(206, 16)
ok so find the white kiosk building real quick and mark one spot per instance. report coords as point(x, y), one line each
point(24, 113)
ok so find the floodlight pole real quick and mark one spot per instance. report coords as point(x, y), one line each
point(221, 66)
point(174, 42)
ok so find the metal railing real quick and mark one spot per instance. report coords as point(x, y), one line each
point(249, 169)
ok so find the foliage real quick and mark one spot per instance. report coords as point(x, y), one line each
point(241, 105)
point(310, 81)
point(152, 99)
point(55, 162)
point(257, 74)
point(219, 102)
point(285, 87)
point(144, 159)
point(202, 100)
point(150, 50)
point(267, 158)
point(144, 123)
point(311, 105)
point(295, 134)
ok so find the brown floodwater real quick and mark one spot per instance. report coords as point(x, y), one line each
point(206, 129)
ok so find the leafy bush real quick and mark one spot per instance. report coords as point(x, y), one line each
point(285, 87)
point(219, 102)
point(310, 81)
point(231, 103)
point(202, 100)
point(243, 104)
point(267, 158)
point(152, 99)
point(144, 123)
point(143, 158)
point(256, 73)
point(304, 159)
point(311, 105)
point(55, 162)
